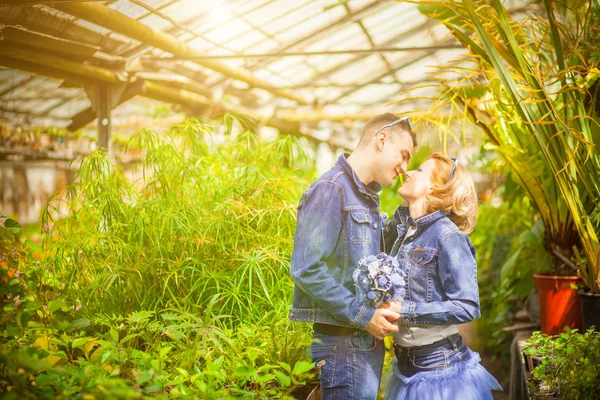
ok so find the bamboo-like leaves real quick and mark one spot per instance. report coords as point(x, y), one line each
point(204, 220)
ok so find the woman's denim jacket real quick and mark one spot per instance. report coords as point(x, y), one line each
point(439, 261)
point(338, 224)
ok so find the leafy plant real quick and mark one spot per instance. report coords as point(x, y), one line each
point(173, 284)
point(524, 84)
point(567, 364)
point(508, 244)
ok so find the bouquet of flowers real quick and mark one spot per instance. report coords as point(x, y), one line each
point(379, 279)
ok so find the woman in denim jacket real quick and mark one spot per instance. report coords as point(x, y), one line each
point(428, 235)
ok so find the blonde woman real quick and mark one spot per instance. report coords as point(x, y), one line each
point(428, 235)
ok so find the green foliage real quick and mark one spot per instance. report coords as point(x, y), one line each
point(539, 111)
point(567, 364)
point(507, 252)
point(173, 284)
point(204, 220)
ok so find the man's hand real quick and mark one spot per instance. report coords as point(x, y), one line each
point(383, 323)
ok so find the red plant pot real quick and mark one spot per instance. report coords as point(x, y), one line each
point(560, 305)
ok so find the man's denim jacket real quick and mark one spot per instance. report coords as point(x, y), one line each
point(338, 224)
point(439, 261)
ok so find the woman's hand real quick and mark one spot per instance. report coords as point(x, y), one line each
point(395, 306)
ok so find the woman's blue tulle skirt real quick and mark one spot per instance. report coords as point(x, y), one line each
point(466, 380)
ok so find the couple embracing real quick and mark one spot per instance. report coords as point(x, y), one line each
point(339, 223)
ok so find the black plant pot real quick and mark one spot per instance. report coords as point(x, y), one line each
point(590, 309)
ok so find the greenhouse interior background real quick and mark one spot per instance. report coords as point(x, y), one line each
point(153, 154)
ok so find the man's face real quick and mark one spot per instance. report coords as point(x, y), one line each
point(393, 158)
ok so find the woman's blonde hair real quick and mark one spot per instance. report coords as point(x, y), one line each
point(456, 195)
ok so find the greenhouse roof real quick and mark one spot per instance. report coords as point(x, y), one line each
point(286, 63)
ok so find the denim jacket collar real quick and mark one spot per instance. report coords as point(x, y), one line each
point(371, 189)
point(421, 222)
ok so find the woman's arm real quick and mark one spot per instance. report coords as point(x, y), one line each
point(457, 271)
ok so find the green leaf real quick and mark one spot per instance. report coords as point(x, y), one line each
point(79, 324)
point(440, 12)
point(80, 342)
point(244, 370)
point(285, 380)
point(56, 305)
point(301, 367)
point(144, 377)
point(128, 338)
point(155, 364)
point(114, 335)
point(164, 351)
point(286, 366)
point(34, 305)
point(33, 246)
point(12, 225)
point(252, 354)
point(508, 265)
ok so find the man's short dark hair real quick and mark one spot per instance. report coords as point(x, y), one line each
point(375, 124)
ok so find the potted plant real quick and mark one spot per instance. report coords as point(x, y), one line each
point(530, 92)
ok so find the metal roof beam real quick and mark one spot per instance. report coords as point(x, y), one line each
point(39, 69)
point(55, 45)
point(63, 64)
point(336, 68)
point(132, 28)
point(325, 29)
point(366, 52)
point(377, 78)
point(34, 2)
point(41, 19)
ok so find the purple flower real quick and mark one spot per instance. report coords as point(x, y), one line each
point(384, 218)
point(379, 279)
point(382, 281)
point(396, 279)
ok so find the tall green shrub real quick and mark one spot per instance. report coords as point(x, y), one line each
point(204, 219)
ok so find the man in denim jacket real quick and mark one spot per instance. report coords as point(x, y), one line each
point(338, 224)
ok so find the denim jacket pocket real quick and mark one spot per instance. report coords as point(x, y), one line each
point(361, 227)
point(421, 256)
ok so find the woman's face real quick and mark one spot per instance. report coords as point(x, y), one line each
point(418, 182)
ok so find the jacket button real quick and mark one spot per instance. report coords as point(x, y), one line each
point(375, 226)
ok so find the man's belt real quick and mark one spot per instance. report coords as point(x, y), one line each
point(333, 330)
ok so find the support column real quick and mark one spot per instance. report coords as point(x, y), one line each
point(104, 96)
point(103, 111)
